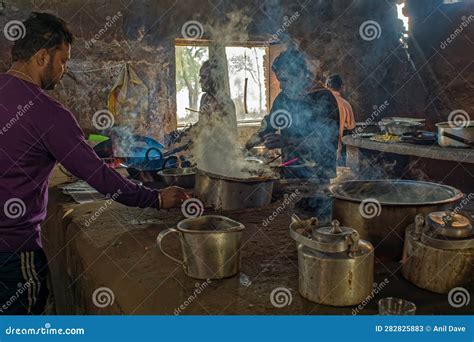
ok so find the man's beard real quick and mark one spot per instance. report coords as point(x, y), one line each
point(48, 82)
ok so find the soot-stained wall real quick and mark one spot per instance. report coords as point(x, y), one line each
point(373, 64)
point(442, 47)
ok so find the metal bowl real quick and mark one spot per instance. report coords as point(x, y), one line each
point(182, 177)
point(380, 210)
point(402, 127)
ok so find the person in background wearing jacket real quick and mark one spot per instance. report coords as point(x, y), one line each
point(303, 122)
point(346, 114)
point(36, 132)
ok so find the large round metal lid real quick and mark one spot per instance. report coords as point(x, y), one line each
point(396, 192)
point(450, 224)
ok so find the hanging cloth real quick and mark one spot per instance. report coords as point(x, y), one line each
point(128, 99)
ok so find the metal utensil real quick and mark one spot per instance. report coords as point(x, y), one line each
point(273, 159)
point(402, 127)
point(466, 132)
point(401, 119)
point(182, 177)
point(210, 245)
point(336, 267)
point(289, 162)
point(254, 160)
point(227, 193)
point(458, 139)
point(438, 253)
point(420, 138)
point(380, 210)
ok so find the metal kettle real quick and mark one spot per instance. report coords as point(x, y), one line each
point(438, 253)
point(335, 267)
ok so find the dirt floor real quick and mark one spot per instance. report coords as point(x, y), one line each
point(118, 251)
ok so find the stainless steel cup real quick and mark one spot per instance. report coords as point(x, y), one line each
point(210, 245)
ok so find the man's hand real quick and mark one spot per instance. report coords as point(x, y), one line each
point(272, 141)
point(253, 141)
point(172, 197)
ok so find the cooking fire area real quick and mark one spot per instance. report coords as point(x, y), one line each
point(280, 158)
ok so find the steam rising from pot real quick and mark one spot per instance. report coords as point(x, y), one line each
point(215, 147)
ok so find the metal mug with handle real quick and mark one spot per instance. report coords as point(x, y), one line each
point(210, 246)
point(159, 240)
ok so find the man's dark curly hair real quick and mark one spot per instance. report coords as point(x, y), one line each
point(43, 30)
point(334, 82)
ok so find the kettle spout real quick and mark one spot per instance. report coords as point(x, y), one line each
point(313, 221)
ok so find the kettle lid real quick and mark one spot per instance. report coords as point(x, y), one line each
point(334, 234)
point(334, 239)
point(449, 224)
point(444, 230)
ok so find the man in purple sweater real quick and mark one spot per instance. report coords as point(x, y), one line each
point(36, 132)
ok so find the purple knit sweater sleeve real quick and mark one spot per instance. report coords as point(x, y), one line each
point(64, 139)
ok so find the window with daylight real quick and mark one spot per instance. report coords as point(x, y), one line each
point(188, 90)
point(248, 80)
point(403, 17)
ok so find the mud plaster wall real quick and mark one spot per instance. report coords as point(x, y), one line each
point(328, 31)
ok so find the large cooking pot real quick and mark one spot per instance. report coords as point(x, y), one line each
point(452, 136)
point(380, 210)
point(227, 193)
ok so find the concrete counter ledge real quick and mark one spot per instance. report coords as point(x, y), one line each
point(111, 265)
point(460, 155)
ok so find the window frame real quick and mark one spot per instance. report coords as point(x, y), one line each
point(246, 44)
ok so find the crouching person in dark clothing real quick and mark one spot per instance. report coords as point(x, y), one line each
point(303, 122)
